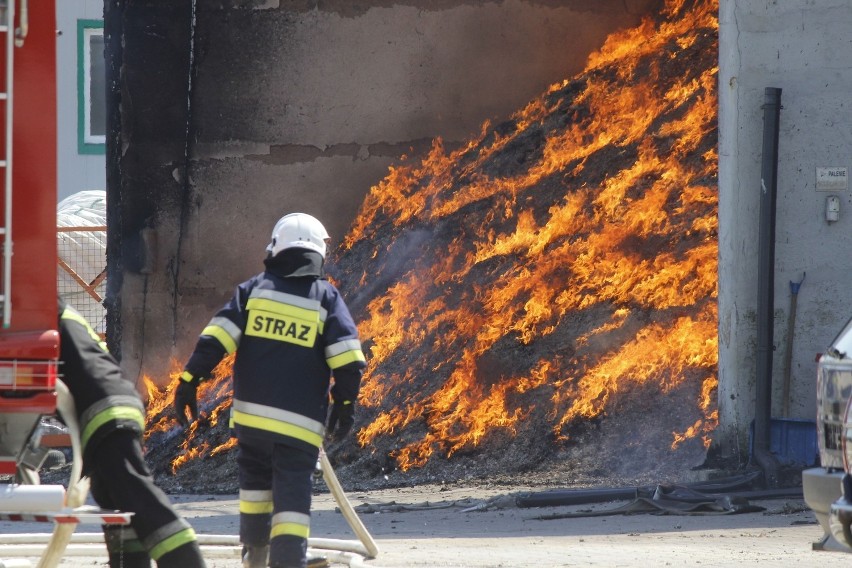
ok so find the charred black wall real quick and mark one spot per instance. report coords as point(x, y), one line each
point(226, 115)
point(147, 56)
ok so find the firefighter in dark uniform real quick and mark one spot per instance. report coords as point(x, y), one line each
point(292, 332)
point(112, 418)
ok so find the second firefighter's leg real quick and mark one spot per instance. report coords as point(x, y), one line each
point(292, 484)
point(255, 476)
point(121, 480)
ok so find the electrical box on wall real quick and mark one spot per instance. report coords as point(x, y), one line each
point(832, 208)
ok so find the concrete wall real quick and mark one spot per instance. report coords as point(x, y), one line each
point(76, 171)
point(801, 47)
point(296, 106)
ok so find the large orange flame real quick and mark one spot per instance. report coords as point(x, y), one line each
point(473, 340)
point(214, 396)
point(588, 250)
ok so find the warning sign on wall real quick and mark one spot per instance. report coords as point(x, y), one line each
point(831, 179)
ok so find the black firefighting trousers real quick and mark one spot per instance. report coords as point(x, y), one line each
point(275, 499)
point(122, 481)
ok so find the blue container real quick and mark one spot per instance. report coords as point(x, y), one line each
point(793, 441)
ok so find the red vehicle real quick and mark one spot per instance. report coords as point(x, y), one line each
point(29, 342)
point(30, 385)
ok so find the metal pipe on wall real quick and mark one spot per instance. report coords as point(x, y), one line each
point(766, 287)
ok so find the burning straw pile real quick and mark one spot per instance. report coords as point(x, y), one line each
point(544, 298)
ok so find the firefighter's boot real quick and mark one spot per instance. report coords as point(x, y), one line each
point(255, 556)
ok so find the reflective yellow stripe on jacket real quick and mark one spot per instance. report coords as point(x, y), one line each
point(108, 415)
point(279, 421)
point(343, 352)
point(225, 331)
point(108, 409)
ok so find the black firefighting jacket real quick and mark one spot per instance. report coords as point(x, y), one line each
point(104, 399)
point(291, 331)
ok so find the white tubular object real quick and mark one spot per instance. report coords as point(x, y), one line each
point(341, 545)
point(212, 545)
point(68, 410)
point(347, 558)
point(15, 563)
point(44, 538)
point(31, 498)
point(203, 540)
point(78, 487)
point(90, 550)
point(371, 549)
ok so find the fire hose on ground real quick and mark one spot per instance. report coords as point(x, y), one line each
point(63, 542)
point(340, 551)
point(78, 486)
point(370, 550)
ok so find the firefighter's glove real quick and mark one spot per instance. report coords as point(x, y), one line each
point(341, 419)
point(185, 398)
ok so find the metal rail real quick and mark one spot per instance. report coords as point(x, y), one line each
point(6, 28)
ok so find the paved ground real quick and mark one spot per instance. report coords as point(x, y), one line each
point(470, 528)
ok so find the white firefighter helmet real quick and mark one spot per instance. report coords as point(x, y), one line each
point(298, 230)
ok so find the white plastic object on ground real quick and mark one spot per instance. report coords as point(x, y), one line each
point(15, 563)
point(31, 498)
